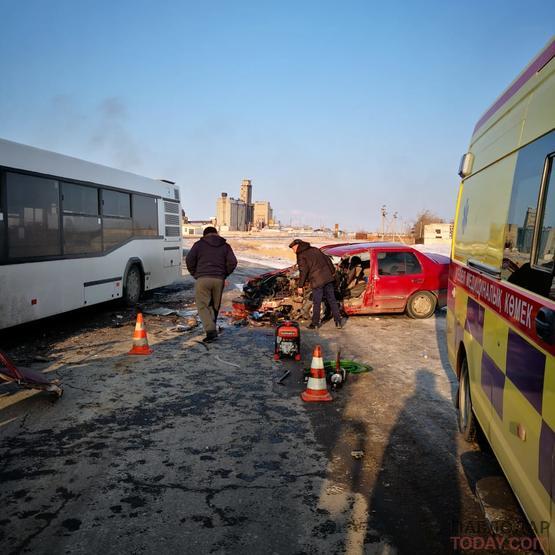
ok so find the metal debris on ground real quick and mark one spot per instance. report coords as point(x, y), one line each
point(186, 313)
point(27, 378)
point(358, 454)
point(285, 375)
point(225, 362)
point(159, 311)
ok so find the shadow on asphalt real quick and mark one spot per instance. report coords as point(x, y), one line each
point(414, 502)
point(416, 499)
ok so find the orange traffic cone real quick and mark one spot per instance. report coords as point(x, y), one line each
point(316, 388)
point(140, 340)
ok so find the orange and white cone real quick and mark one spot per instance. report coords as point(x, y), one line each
point(140, 340)
point(316, 388)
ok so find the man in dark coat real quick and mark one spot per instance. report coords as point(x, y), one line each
point(317, 269)
point(210, 261)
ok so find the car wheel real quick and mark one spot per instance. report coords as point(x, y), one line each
point(466, 418)
point(132, 287)
point(421, 305)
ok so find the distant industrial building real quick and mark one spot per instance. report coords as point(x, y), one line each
point(243, 214)
point(194, 227)
point(231, 214)
point(262, 214)
point(437, 234)
point(246, 196)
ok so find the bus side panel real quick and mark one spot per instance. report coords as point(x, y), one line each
point(35, 292)
point(484, 207)
point(51, 287)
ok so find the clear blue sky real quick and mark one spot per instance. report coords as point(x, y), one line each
point(331, 108)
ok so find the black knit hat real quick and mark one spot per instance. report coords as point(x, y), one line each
point(208, 230)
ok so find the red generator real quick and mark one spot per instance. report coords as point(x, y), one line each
point(288, 340)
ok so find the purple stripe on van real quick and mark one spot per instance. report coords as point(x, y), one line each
point(538, 63)
point(545, 471)
point(475, 319)
point(493, 382)
point(526, 368)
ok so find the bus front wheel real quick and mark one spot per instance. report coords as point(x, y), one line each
point(466, 418)
point(132, 287)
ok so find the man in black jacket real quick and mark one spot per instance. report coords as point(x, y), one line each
point(316, 268)
point(210, 261)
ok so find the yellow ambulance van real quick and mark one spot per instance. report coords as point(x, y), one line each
point(501, 296)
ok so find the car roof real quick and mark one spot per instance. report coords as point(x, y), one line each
point(354, 248)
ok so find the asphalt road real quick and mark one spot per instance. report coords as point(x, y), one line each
point(196, 449)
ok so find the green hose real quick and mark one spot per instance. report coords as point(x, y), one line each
point(350, 366)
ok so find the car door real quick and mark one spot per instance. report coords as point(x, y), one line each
point(398, 274)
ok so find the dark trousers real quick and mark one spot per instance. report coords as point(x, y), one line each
point(327, 291)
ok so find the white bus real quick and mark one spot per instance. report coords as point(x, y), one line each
point(73, 234)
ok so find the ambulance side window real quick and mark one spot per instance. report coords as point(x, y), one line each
point(3, 220)
point(546, 237)
point(518, 267)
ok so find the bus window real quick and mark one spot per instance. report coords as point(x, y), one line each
point(82, 230)
point(145, 215)
point(117, 224)
point(521, 224)
point(116, 231)
point(33, 214)
point(116, 204)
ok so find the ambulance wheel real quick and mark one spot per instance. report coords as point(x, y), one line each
point(132, 287)
point(421, 305)
point(466, 418)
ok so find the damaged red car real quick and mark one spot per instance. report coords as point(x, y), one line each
point(371, 278)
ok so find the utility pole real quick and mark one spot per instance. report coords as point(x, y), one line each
point(384, 214)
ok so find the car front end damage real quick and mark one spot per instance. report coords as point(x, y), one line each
point(273, 296)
